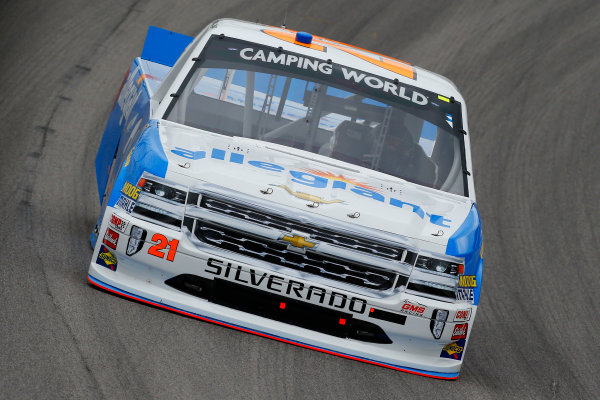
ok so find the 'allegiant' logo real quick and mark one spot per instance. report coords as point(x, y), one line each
point(312, 180)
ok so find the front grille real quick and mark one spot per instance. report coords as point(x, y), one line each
point(317, 233)
point(277, 253)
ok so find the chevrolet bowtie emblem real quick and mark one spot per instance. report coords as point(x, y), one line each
point(298, 241)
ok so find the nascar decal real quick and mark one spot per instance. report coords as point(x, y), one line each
point(118, 223)
point(412, 309)
point(111, 238)
point(278, 284)
point(312, 180)
point(454, 350)
point(106, 258)
point(460, 331)
point(462, 315)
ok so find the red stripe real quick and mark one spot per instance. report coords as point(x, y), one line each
point(268, 336)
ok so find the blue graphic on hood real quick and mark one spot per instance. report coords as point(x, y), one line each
point(467, 242)
point(147, 155)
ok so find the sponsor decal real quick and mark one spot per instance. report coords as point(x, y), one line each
point(412, 309)
point(467, 281)
point(130, 191)
point(145, 76)
point(250, 54)
point(454, 350)
point(374, 82)
point(462, 315)
point(157, 250)
point(319, 43)
point(118, 223)
point(339, 181)
point(465, 294)
point(312, 180)
point(106, 258)
point(308, 197)
point(111, 238)
point(125, 204)
point(460, 331)
point(129, 95)
point(281, 285)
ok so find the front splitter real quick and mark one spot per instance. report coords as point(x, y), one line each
point(114, 290)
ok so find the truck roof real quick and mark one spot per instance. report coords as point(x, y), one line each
point(338, 52)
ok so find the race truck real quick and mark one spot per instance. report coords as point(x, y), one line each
point(293, 187)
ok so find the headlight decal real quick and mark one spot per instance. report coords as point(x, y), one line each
point(438, 322)
point(136, 240)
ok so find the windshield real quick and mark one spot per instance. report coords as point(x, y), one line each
point(244, 89)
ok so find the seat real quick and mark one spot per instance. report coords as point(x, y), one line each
point(351, 141)
point(403, 157)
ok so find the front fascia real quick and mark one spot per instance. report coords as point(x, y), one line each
point(143, 274)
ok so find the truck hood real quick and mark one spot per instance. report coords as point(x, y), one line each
point(313, 183)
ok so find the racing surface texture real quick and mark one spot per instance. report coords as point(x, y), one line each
point(529, 73)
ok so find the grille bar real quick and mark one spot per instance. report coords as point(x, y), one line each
point(275, 252)
point(318, 233)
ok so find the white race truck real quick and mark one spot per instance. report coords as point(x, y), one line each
point(297, 188)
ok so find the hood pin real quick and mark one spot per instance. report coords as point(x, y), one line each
point(266, 191)
point(355, 214)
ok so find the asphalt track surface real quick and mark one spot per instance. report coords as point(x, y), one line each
point(529, 72)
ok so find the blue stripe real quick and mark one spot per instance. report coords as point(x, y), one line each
point(431, 373)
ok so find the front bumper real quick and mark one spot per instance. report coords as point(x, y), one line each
point(143, 276)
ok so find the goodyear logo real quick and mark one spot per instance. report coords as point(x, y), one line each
point(467, 281)
point(130, 191)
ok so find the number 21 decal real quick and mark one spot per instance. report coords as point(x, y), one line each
point(161, 243)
